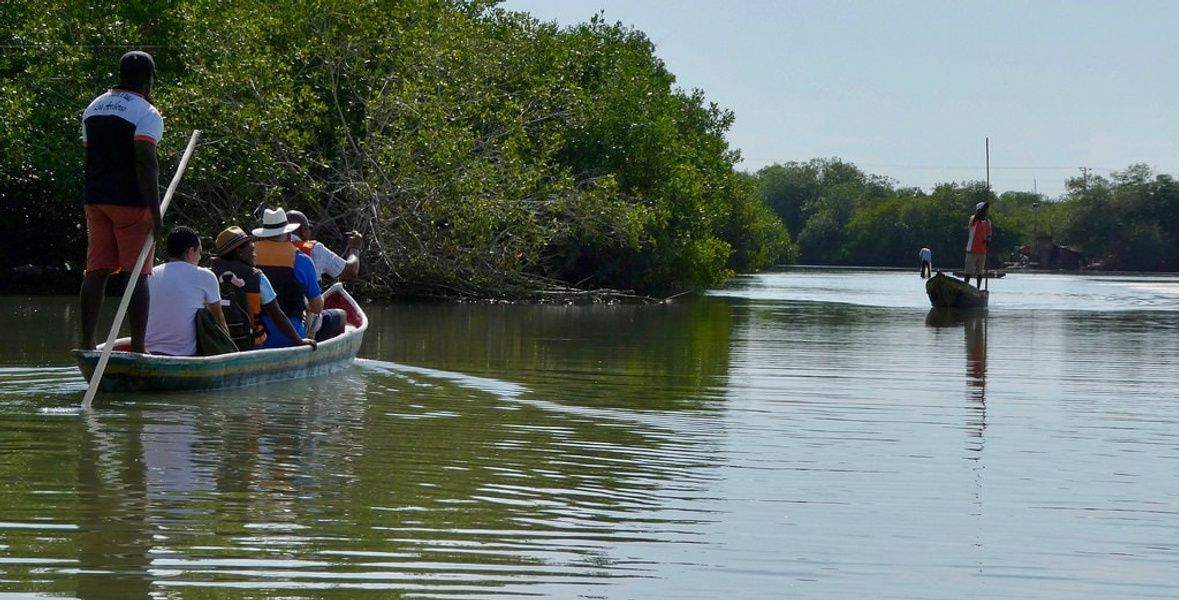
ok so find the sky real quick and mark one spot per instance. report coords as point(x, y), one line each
point(913, 89)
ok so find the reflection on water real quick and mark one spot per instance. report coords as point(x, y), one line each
point(974, 324)
point(751, 444)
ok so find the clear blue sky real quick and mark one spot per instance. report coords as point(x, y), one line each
point(910, 89)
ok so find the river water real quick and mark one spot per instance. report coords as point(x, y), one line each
point(803, 433)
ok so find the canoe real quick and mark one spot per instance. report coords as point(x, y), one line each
point(132, 372)
point(988, 274)
point(947, 292)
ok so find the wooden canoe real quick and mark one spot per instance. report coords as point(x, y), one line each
point(132, 372)
point(987, 274)
point(948, 292)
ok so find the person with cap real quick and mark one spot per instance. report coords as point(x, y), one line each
point(120, 130)
point(978, 243)
point(181, 289)
point(340, 268)
point(252, 294)
point(293, 277)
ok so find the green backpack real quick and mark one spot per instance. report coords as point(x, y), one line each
point(211, 339)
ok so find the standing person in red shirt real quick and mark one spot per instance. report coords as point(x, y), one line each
point(978, 242)
point(120, 130)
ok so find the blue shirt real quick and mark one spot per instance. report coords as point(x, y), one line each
point(309, 281)
point(265, 290)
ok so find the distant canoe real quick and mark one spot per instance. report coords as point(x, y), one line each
point(988, 274)
point(947, 292)
point(132, 372)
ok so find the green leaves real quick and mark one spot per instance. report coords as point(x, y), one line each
point(482, 152)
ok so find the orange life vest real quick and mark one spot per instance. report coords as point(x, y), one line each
point(277, 260)
point(305, 246)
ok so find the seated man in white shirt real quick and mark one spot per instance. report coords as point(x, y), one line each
point(180, 289)
point(327, 262)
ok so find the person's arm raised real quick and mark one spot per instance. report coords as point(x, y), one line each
point(352, 256)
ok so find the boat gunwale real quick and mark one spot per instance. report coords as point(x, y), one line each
point(130, 371)
point(164, 359)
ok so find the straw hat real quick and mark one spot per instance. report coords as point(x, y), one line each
point(229, 240)
point(274, 223)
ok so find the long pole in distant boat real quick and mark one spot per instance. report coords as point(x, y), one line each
point(132, 278)
point(987, 256)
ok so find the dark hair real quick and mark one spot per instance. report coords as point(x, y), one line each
point(180, 240)
point(136, 69)
point(295, 216)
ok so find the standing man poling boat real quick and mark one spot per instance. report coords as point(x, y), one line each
point(926, 256)
point(120, 130)
point(978, 242)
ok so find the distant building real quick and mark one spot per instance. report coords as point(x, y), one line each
point(1046, 254)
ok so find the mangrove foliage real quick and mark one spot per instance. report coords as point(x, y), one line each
point(481, 152)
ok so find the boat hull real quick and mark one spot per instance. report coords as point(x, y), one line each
point(947, 292)
point(133, 372)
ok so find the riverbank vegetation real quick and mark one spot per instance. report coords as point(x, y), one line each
point(481, 152)
point(843, 216)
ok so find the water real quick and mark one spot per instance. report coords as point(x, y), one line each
point(803, 433)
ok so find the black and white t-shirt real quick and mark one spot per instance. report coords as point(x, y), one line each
point(111, 125)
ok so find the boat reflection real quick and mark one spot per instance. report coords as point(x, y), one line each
point(974, 325)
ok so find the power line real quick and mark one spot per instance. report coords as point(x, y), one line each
point(993, 167)
point(65, 45)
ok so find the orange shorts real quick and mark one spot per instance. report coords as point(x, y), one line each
point(115, 237)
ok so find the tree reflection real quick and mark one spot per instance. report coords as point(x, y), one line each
point(660, 357)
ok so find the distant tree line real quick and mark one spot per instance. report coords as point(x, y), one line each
point(481, 152)
point(840, 215)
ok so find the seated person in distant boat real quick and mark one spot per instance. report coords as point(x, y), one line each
point(295, 282)
point(180, 289)
point(326, 262)
point(234, 267)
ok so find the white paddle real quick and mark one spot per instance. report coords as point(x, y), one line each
point(148, 248)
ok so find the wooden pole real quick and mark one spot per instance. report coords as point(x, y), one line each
point(987, 256)
point(133, 277)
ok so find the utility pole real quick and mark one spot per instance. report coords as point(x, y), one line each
point(1085, 177)
point(988, 143)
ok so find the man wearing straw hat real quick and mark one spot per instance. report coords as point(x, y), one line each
point(234, 264)
point(295, 282)
point(120, 130)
